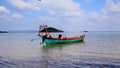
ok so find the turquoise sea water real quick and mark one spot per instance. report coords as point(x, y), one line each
point(99, 50)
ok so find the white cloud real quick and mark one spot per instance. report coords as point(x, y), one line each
point(112, 6)
point(63, 8)
point(107, 19)
point(7, 17)
point(11, 17)
point(4, 10)
point(112, 11)
point(17, 15)
point(52, 7)
point(63, 11)
point(23, 4)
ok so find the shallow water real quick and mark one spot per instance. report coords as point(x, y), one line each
point(99, 50)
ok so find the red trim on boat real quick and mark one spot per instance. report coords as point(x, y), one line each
point(67, 38)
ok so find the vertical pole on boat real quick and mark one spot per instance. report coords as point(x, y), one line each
point(46, 30)
point(39, 32)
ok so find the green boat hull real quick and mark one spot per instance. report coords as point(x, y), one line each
point(53, 41)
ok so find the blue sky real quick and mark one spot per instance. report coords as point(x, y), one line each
point(68, 15)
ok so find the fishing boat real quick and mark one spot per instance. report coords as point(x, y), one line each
point(48, 39)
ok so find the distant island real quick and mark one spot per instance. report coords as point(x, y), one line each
point(51, 29)
point(3, 32)
point(85, 31)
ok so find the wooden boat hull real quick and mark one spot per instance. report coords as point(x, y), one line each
point(57, 41)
